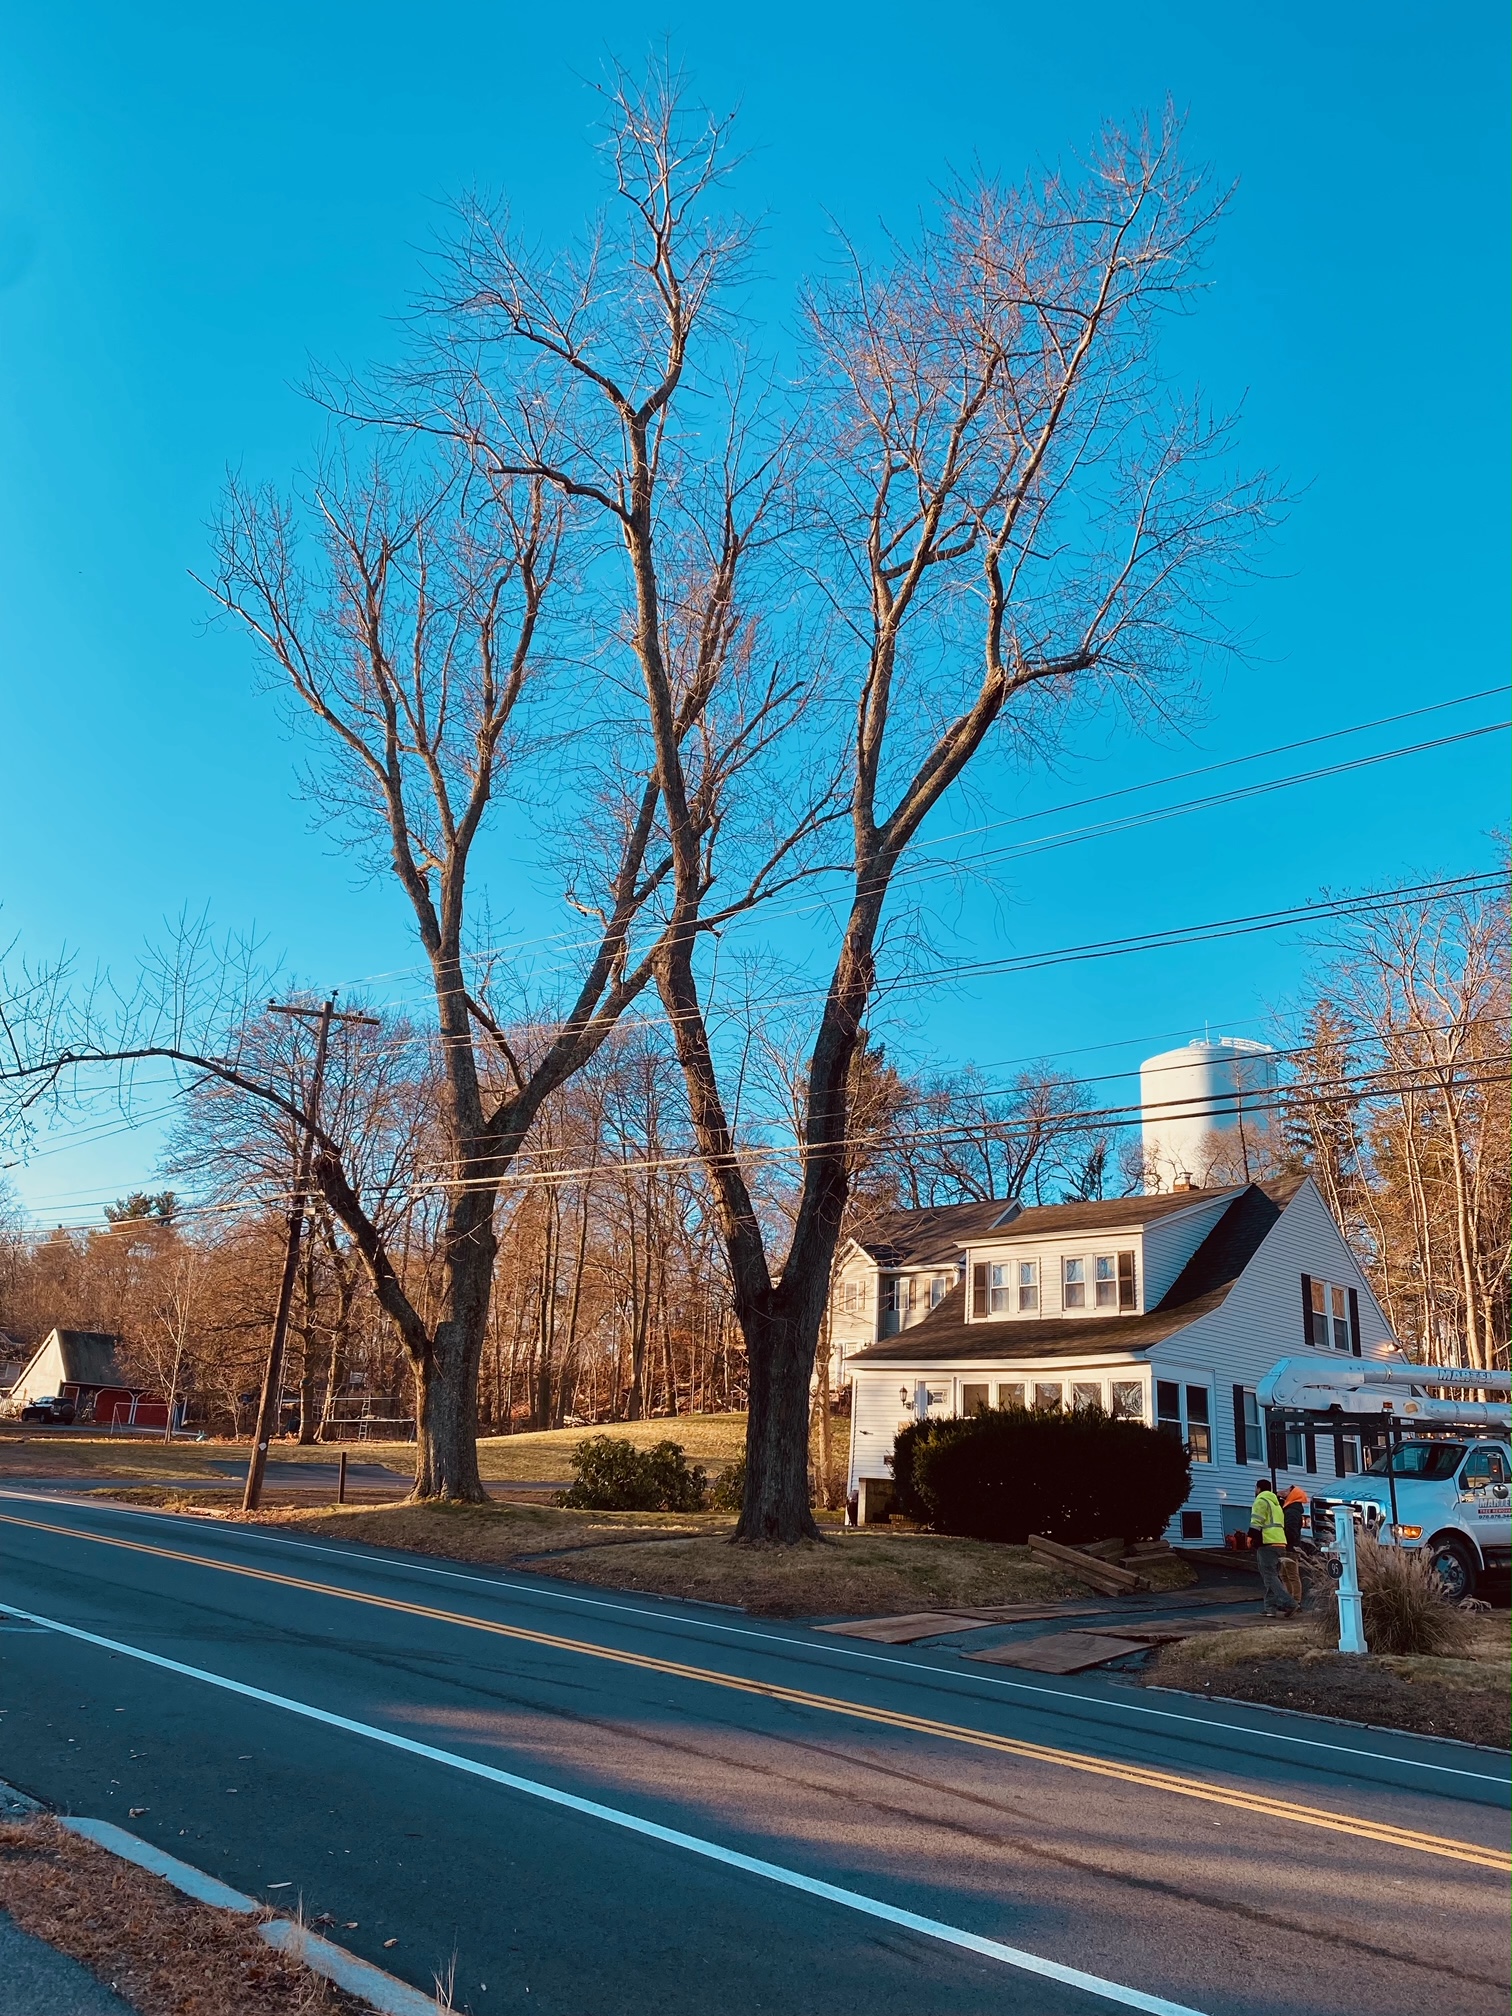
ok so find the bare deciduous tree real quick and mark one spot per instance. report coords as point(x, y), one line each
point(998, 510)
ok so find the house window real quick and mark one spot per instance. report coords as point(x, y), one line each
point(940, 1286)
point(897, 1293)
point(1168, 1408)
point(1249, 1442)
point(1105, 1270)
point(973, 1400)
point(1128, 1400)
point(1199, 1426)
point(990, 1289)
point(1347, 1456)
point(1048, 1398)
point(1028, 1285)
point(1010, 1396)
point(1073, 1284)
point(853, 1297)
point(1329, 1329)
point(1191, 1423)
point(1086, 1394)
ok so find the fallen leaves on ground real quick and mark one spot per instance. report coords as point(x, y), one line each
point(1290, 1666)
point(162, 1952)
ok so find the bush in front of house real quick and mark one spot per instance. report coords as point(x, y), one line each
point(727, 1492)
point(612, 1475)
point(1005, 1474)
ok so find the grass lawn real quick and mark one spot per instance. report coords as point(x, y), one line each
point(851, 1574)
point(711, 1439)
point(1290, 1666)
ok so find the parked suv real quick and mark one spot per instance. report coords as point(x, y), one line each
point(1453, 1497)
point(50, 1410)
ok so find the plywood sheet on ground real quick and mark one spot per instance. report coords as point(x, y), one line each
point(939, 1623)
point(1061, 1652)
point(904, 1630)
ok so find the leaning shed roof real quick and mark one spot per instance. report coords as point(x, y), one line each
point(1201, 1286)
point(89, 1357)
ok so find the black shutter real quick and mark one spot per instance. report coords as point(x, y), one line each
point(1127, 1298)
point(1307, 1313)
point(1354, 1321)
point(1275, 1444)
point(1239, 1451)
point(979, 1288)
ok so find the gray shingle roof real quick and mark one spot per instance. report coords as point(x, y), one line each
point(1201, 1286)
point(89, 1357)
point(935, 1237)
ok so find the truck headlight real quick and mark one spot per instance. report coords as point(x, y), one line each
point(1409, 1532)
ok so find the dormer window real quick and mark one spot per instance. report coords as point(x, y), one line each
point(1073, 1284)
point(1105, 1267)
point(1028, 1287)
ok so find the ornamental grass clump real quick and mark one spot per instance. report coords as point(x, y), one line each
point(612, 1475)
point(1402, 1603)
point(1006, 1473)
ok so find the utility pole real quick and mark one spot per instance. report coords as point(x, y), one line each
point(271, 1398)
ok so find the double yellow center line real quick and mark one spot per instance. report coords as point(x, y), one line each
point(920, 1725)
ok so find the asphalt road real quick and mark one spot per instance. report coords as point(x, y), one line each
point(587, 1804)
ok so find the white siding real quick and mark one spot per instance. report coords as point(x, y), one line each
point(877, 1414)
point(43, 1377)
point(1259, 1321)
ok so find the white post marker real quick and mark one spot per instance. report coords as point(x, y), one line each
point(1351, 1617)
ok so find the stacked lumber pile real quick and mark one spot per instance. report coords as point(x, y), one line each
point(1108, 1565)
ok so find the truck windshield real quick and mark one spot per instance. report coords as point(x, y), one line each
point(1432, 1461)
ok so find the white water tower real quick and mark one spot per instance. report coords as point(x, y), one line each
point(1206, 1112)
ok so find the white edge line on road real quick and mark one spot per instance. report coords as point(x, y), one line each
point(376, 1985)
point(378, 1557)
point(692, 1844)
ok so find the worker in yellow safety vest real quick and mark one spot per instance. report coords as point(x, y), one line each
point(1268, 1522)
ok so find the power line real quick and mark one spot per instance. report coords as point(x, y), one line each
point(914, 867)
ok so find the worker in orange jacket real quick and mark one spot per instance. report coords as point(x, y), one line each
point(1293, 1517)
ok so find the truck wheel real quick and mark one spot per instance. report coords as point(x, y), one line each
point(1455, 1566)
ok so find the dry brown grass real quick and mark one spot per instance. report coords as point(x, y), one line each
point(163, 1953)
point(1296, 1666)
point(870, 1573)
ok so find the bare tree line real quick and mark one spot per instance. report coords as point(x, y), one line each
point(1415, 1167)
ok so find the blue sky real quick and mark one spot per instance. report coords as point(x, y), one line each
point(195, 202)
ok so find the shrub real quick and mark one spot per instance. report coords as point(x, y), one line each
point(1402, 1602)
point(727, 1492)
point(1005, 1474)
point(612, 1475)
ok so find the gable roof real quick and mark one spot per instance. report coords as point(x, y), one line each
point(933, 1237)
point(88, 1357)
point(1202, 1285)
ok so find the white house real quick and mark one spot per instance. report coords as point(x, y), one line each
point(1167, 1309)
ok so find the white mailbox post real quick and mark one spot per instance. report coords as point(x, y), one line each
point(1351, 1619)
